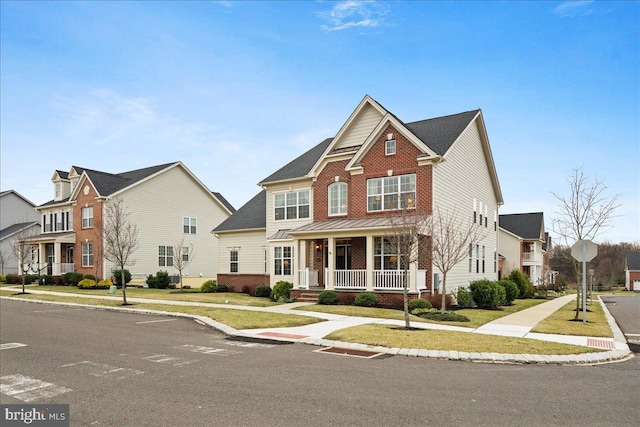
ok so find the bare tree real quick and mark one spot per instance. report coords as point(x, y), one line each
point(24, 247)
point(407, 237)
point(583, 214)
point(182, 257)
point(120, 238)
point(4, 259)
point(452, 236)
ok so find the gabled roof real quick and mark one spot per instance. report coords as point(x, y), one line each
point(224, 201)
point(440, 133)
point(633, 261)
point(7, 192)
point(253, 215)
point(16, 228)
point(524, 225)
point(300, 166)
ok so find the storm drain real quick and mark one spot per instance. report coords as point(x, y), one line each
point(349, 352)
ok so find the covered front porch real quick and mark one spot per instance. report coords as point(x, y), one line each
point(353, 255)
point(55, 253)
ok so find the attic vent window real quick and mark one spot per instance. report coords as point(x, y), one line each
point(390, 147)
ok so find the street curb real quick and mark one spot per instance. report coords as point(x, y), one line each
point(570, 359)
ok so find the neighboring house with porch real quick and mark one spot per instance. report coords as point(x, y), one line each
point(167, 203)
point(524, 246)
point(18, 218)
point(632, 272)
point(321, 220)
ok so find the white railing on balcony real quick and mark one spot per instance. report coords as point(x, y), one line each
point(532, 257)
point(350, 279)
point(56, 269)
point(388, 279)
point(308, 278)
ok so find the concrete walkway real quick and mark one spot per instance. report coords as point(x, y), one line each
point(518, 324)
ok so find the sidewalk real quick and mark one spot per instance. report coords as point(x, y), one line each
point(518, 324)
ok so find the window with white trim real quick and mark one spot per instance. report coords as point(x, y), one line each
point(338, 198)
point(391, 192)
point(477, 258)
point(470, 258)
point(165, 256)
point(291, 205)
point(282, 260)
point(390, 147)
point(87, 217)
point(483, 257)
point(58, 191)
point(185, 254)
point(189, 225)
point(87, 254)
point(386, 256)
point(233, 261)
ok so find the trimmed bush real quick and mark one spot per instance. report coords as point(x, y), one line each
point(222, 288)
point(160, 281)
point(421, 311)
point(524, 284)
point(464, 298)
point(446, 317)
point(87, 284)
point(328, 297)
point(419, 303)
point(281, 290)
point(263, 291)
point(487, 294)
point(209, 286)
point(436, 300)
point(117, 277)
point(104, 284)
point(366, 299)
point(46, 278)
point(89, 276)
point(3, 278)
point(511, 291)
point(13, 279)
point(72, 278)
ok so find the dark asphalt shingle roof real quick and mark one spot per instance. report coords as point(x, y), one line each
point(253, 215)
point(224, 201)
point(525, 225)
point(441, 132)
point(633, 261)
point(301, 165)
point(14, 228)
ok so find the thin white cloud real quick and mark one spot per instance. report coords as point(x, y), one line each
point(571, 9)
point(351, 14)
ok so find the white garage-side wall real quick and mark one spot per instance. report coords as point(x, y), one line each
point(251, 247)
point(510, 250)
point(158, 206)
point(460, 179)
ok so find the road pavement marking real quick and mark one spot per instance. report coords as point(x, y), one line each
point(156, 321)
point(160, 358)
point(9, 345)
point(29, 389)
point(209, 350)
point(632, 335)
point(104, 370)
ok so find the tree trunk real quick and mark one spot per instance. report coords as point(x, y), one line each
point(443, 309)
point(124, 286)
point(405, 292)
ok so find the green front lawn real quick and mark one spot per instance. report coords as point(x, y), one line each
point(192, 295)
point(477, 317)
point(561, 322)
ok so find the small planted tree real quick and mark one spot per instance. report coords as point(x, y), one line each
point(120, 238)
point(24, 250)
point(183, 255)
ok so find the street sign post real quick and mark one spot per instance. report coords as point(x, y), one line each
point(584, 251)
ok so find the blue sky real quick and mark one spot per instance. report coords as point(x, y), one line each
point(237, 89)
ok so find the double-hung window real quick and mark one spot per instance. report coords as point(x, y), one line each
point(87, 254)
point(165, 256)
point(87, 217)
point(390, 147)
point(189, 225)
point(282, 260)
point(338, 198)
point(233, 261)
point(386, 256)
point(291, 205)
point(391, 192)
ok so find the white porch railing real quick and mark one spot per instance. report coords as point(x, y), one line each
point(531, 257)
point(56, 269)
point(350, 279)
point(308, 278)
point(388, 279)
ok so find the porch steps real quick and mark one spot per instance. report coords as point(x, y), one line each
point(308, 296)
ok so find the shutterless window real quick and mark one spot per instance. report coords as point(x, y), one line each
point(390, 147)
point(483, 257)
point(165, 256)
point(233, 261)
point(477, 258)
point(291, 205)
point(391, 192)
point(87, 254)
point(338, 198)
point(188, 225)
point(470, 258)
point(185, 254)
point(282, 260)
point(87, 217)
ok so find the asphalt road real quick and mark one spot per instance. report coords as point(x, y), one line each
point(626, 310)
point(120, 369)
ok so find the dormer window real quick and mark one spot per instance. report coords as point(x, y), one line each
point(390, 147)
point(58, 190)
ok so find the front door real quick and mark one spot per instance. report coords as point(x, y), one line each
point(343, 257)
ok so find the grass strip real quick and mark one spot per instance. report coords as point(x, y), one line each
point(561, 322)
point(237, 319)
point(392, 337)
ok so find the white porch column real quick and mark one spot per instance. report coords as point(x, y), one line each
point(370, 263)
point(413, 277)
point(301, 247)
point(42, 255)
point(57, 258)
point(331, 280)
